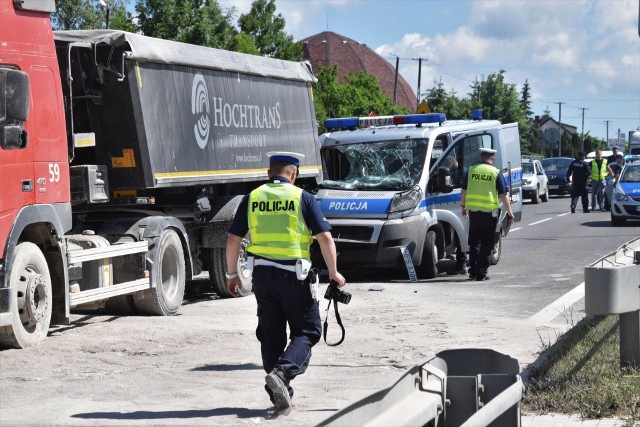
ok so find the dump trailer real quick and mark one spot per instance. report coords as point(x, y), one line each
point(122, 161)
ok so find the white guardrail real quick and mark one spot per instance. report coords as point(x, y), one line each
point(612, 286)
point(464, 387)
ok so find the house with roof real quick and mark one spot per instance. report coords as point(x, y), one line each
point(328, 49)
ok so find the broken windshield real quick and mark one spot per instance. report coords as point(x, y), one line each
point(382, 165)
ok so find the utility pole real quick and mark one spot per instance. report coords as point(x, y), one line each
point(419, 77)
point(607, 140)
point(561, 129)
point(395, 82)
point(582, 108)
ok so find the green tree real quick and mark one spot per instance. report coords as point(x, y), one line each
point(359, 95)
point(200, 22)
point(243, 42)
point(267, 30)
point(89, 14)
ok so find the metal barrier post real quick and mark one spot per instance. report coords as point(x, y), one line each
point(616, 290)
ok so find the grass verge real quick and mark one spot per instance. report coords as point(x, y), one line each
point(582, 375)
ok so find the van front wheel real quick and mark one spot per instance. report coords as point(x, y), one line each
point(428, 264)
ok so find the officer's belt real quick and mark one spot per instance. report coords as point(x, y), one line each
point(267, 263)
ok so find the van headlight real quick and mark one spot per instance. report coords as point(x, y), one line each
point(406, 201)
point(527, 181)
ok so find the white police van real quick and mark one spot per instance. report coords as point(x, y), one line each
point(391, 186)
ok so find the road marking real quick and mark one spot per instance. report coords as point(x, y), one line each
point(560, 305)
point(515, 229)
point(567, 213)
point(546, 219)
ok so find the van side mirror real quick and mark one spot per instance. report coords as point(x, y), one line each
point(441, 181)
point(14, 108)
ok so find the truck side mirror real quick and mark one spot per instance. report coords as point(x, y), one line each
point(14, 108)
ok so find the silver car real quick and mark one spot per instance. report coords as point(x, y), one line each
point(535, 181)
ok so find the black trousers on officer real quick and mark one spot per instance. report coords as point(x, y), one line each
point(482, 229)
point(579, 190)
point(284, 300)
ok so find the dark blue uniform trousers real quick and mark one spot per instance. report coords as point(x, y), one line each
point(283, 299)
point(482, 229)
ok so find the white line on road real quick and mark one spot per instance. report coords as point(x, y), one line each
point(566, 213)
point(557, 307)
point(515, 229)
point(546, 219)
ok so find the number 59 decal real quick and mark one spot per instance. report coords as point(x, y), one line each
point(54, 172)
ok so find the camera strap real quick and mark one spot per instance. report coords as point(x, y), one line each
point(326, 324)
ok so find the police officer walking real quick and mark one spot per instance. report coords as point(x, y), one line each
point(581, 172)
point(599, 172)
point(482, 188)
point(282, 219)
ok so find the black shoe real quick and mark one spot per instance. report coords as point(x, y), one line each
point(573, 210)
point(276, 382)
point(481, 278)
point(457, 271)
point(586, 211)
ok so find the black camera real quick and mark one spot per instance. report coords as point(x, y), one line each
point(333, 292)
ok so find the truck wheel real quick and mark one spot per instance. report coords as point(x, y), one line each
point(428, 264)
point(122, 305)
point(217, 264)
point(496, 251)
point(31, 310)
point(168, 275)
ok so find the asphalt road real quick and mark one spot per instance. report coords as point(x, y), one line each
point(202, 367)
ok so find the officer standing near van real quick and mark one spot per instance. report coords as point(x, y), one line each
point(482, 188)
point(579, 170)
point(282, 219)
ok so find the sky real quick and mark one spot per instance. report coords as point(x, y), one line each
point(580, 57)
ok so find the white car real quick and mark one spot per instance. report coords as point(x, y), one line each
point(625, 199)
point(535, 181)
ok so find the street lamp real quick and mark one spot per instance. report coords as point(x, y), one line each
point(104, 4)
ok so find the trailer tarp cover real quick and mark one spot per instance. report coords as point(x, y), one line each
point(162, 51)
point(173, 114)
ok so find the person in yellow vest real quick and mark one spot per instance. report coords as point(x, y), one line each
point(282, 219)
point(599, 174)
point(483, 187)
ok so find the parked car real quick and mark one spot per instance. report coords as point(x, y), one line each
point(625, 199)
point(535, 181)
point(556, 170)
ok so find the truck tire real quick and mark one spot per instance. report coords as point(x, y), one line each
point(496, 251)
point(122, 305)
point(216, 260)
point(428, 264)
point(168, 275)
point(31, 310)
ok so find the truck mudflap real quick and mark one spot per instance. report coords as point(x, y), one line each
point(468, 387)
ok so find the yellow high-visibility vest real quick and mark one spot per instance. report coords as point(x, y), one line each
point(278, 230)
point(598, 175)
point(482, 194)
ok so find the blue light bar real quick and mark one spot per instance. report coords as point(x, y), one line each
point(411, 119)
point(376, 121)
point(476, 114)
point(349, 122)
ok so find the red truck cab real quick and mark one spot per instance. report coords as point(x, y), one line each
point(34, 166)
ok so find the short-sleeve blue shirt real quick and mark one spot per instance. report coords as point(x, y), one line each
point(311, 212)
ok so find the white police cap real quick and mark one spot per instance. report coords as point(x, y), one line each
point(285, 157)
point(488, 152)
